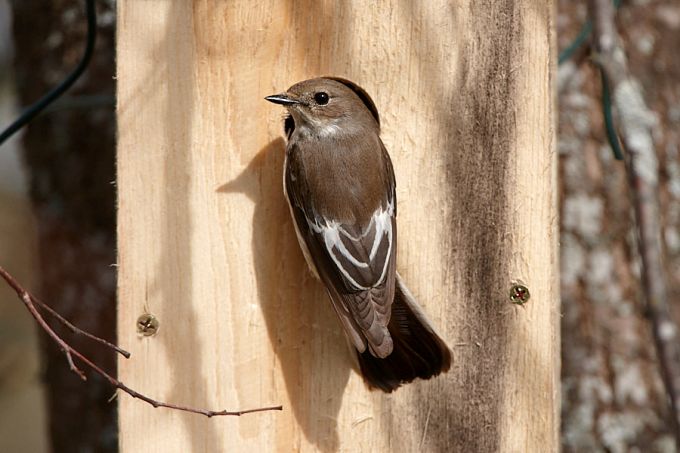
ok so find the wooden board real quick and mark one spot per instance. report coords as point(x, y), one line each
point(465, 92)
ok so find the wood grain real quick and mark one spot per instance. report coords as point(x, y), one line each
point(465, 92)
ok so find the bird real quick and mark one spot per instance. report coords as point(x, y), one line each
point(340, 186)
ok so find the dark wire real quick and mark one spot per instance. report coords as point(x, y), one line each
point(608, 120)
point(566, 54)
point(576, 43)
point(57, 91)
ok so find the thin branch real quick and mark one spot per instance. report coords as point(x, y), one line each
point(635, 123)
point(77, 330)
point(30, 303)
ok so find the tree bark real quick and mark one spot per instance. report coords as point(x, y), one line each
point(614, 398)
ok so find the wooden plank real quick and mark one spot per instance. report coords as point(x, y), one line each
point(465, 91)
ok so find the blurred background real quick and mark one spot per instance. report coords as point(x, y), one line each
point(57, 230)
point(64, 247)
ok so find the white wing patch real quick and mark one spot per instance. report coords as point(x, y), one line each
point(379, 228)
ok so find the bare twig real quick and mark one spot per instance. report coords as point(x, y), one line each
point(635, 123)
point(75, 329)
point(30, 302)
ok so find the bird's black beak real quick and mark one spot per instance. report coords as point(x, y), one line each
point(282, 99)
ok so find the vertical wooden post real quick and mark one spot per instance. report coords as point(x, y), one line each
point(465, 90)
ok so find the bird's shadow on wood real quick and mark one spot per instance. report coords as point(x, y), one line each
point(305, 333)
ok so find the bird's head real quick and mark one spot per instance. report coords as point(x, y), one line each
point(326, 106)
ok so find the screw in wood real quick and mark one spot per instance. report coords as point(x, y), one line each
point(147, 324)
point(519, 294)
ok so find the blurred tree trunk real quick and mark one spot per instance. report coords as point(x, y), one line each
point(613, 397)
point(70, 156)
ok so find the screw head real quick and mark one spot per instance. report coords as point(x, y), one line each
point(147, 324)
point(519, 294)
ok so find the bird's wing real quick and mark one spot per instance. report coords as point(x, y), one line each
point(355, 262)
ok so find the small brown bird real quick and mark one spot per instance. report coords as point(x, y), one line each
point(340, 186)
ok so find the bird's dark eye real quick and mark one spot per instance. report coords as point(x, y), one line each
point(321, 98)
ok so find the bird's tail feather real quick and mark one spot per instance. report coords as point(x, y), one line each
point(418, 351)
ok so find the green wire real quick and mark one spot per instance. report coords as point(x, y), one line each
point(569, 52)
point(576, 43)
point(608, 120)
